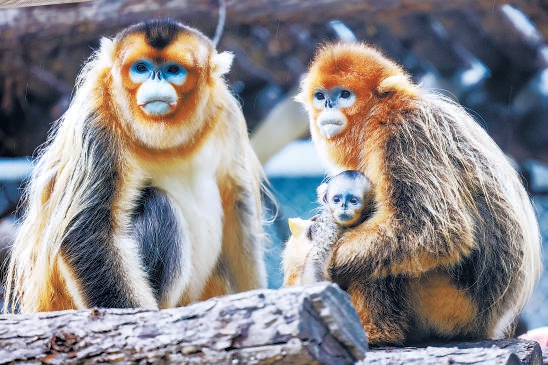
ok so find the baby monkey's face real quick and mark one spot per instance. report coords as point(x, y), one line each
point(346, 206)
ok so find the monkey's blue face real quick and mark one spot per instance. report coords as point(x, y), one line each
point(331, 120)
point(335, 98)
point(156, 94)
point(345, 199)
point(346, 207)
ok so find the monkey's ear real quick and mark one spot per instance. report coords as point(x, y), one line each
point(322, 193)
point(298, 226)
point(107, 53)
point(301, 97)
point(221, 63)
point(399, 84)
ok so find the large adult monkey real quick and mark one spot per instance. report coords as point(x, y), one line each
point(147, 193)
point(452, 250)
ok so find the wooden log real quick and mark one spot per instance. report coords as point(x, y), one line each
point(296, 325)
point(495, 352)
point(6, 4)
point(92, 17)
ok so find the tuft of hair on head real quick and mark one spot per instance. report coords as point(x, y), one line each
point(351, 174)
point(160, 33)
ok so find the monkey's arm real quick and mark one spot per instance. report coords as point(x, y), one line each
point(324, 234)
point(424, 215)
point(406, 239)
point(378, 249)
point(241, 266)
point(426, 206)
point(104, 264)
point(243, 239)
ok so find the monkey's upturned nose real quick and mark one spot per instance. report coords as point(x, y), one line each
point(156, 75)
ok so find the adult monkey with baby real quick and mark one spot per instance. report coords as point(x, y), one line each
point(452, 249)
point(148, 192)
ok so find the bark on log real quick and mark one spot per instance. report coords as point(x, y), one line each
point(498, 352)
point(289, 326)
point(296, 325)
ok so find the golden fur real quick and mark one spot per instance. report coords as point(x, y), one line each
point(106, 162)
point(452, 250)
point(298, 246)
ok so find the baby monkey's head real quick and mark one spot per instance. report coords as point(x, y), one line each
point(348, 195)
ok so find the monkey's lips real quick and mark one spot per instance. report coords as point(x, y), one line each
point(331, 123)
point(346, 217)
point(331, 128)
point(158, 107)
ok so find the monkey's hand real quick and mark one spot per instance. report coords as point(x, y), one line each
point(323, 233)
point(386, 246)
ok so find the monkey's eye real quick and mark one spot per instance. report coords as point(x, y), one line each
point(173, 69)
point(318, 99)
point(355, 200)
point(345, 94)
point(140, 67)
point(319, 96)
point(336, 199)
point(140, 70)
point(346, 98)
point(174, 73)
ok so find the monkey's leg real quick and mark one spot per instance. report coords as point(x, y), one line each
point(220, 282)
point(315, 266)
point(104, 262)
point(444, 310)
point(382, 308)
point(162, 245)
point(241, 266)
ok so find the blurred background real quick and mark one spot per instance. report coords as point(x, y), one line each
point(490, 55)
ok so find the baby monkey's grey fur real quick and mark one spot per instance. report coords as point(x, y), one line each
point(347, 200)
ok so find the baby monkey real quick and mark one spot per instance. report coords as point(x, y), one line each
point(347, 200)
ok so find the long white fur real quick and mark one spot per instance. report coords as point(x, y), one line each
point(191, 182)
point(194, 190)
